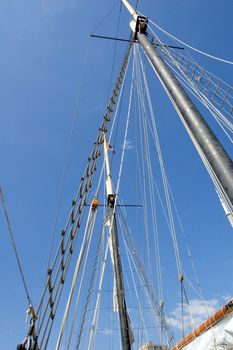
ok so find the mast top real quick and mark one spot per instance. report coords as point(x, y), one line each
point(139, 23)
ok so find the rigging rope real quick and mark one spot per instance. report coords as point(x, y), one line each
point(114, 52)
point(78, 297)
point(15, 249)
point(220, 119)
point(86, 237)
point(196, 90)
point(136, 6)
point(199, 150)
point(68, 151)
point(207, 84)
point(141, 166)
point(196, 87)
point(135, 287)
point(205, 161)
point(57, 273)
point(105, 17)
point(163, 173)
point(157, 311)
point(96, 194)
point(95, 318)
point(96, 312)
point(180, 275)
point(142, 91)
point(118, 184)
point(90, 289)
point(189, 46)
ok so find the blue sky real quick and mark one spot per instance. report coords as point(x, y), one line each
point(45, 53)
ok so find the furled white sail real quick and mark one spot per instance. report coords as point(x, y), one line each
point(218, 337)
point(216, 333)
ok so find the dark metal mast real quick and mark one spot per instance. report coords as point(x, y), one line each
point(203, 137)
point(126, 333)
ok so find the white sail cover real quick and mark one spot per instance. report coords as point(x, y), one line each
point(218, 337)
point(216, 333)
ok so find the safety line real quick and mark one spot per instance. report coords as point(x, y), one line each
point(14, 247)
point(189, 46)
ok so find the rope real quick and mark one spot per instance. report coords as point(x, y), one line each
point(96, 312)
point(151, 187)
point(115, 49)
point(68, 150)
point(15, 249)
point(220, 119)
point(95, 319)
point(205, 161)
point(189, 46)
point(143, 185)
point(90, 289)
point(183, 288)
point(200, 73)
point(86, 237)
point(201, 96)
point(135, 287)
point(125, 135)
point(59, 269)
point(182, 308)
point(218, 92)
point(78, 297)
point(96, 194)
point(195, 90)
point(105, 17)
point(164, 176)
point(157, 311)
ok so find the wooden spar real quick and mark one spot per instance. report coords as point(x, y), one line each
point(210, 322)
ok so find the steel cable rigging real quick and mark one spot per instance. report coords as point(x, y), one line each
point(222, 192)
point(189, 46)
point(59, 268)
point(16, 253)
point(58, 272)
point(212, 89)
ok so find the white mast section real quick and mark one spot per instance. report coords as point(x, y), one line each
point(109, 187)
point(109, 221)
point(119, 302)
point(130, 9)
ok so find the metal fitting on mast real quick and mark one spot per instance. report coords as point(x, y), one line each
point(138, 23)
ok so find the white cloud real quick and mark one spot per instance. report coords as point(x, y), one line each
point(193, 314)
point(128, 145)
point(226, 298)
point(107, 331)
